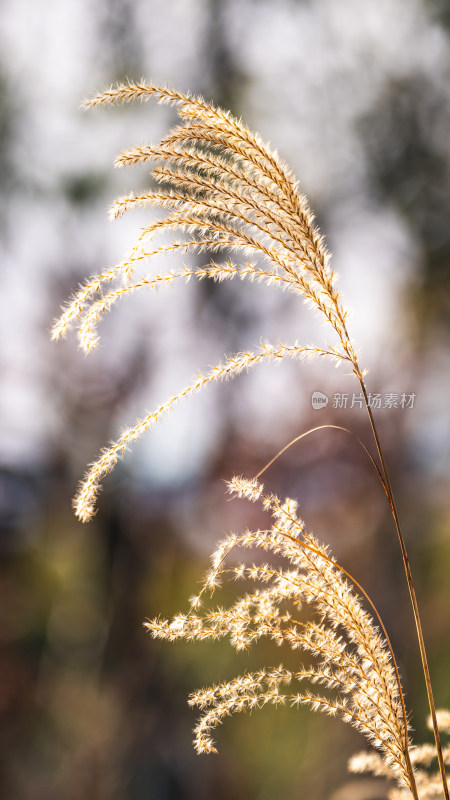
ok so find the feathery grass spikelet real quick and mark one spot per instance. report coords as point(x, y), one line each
point(224, 190)
point(352, 661)
point(84, 501)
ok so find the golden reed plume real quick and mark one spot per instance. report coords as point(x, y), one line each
point(223, 191)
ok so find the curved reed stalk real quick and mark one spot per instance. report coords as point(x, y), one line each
point(223, 190)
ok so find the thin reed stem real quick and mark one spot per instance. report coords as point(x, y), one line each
point(411, 588)
point(321, 428)
point(385, 480)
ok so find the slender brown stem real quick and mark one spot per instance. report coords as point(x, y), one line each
point(412, 592)
point(388, 491)
point(384, 477)
point(321, 428)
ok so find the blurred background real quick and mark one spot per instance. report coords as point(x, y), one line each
point(356, 98)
